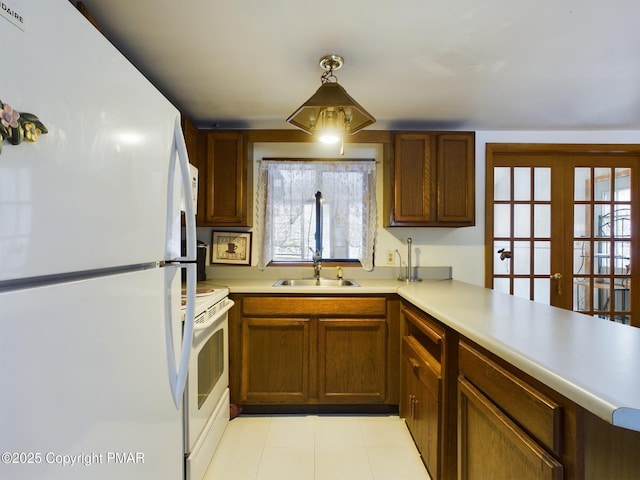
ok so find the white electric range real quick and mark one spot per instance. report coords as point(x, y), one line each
point(206, 397)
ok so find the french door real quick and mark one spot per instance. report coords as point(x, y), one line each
point(563, 226)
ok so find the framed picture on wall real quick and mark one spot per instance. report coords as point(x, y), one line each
point(233, 248)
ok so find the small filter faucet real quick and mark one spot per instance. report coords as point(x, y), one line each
point(410, 275)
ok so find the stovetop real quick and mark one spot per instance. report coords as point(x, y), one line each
point(206, 297)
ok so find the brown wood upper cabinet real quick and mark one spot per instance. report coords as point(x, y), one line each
point(224, 189)
point(224, 183)
point(433, 180)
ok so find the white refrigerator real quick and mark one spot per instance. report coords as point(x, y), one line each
point(92, 356)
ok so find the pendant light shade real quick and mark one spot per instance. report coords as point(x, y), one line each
point(331, 113)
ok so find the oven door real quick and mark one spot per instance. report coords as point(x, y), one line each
point(208, 371)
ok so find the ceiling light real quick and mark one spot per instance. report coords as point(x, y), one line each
point(331, 113)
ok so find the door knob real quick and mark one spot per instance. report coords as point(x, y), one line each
point(557, 277)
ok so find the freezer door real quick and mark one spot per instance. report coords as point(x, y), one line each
point(86, 379)
point(92, 193)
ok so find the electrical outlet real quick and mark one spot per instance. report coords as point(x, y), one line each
point(390, 257)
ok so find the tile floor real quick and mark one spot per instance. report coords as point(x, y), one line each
point(316, 447)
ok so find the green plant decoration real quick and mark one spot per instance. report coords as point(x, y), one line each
point(16, 127)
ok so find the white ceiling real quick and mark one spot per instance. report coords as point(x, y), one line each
point(447, 64)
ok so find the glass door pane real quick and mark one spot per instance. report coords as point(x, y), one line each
point(521, 230)
point(602, 242)
point(562, 226)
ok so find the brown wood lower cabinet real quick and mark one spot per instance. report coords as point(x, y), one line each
point(278, 353)
point(507, 427)
point(512, 426)
point(472, 414)
point(352, 356)
point(427, 390)
point(493, 446)
point(294, 350)
point(420, 401)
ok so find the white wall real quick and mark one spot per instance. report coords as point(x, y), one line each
point(461, 248)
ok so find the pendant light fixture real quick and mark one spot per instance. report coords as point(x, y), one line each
point(331, 113)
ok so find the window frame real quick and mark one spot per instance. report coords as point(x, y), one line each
point(369, 185)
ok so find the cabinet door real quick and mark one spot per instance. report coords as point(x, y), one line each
point(491, 445)
point(275, 360)
point(421, 402)
point(456, 179)
point(352, 360)
point(408, 397)
point(224, 183)
point(427, 412)
point(433, 180)
point(414, 186)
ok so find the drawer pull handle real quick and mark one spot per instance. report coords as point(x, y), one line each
point(413, 407)
point(415, 366)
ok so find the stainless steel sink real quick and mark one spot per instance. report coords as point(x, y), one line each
point(313, 282)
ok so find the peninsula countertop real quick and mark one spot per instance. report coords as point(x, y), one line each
point(591, 361)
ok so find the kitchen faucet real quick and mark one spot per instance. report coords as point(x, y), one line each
point(317, 264)
point(317, 254)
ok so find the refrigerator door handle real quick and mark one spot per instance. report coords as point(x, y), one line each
point(187, 335)
point(185, 180)
point(178, 374)
point(180, 378)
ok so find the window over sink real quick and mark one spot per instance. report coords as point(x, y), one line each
point(287, 212)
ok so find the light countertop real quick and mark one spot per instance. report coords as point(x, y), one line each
point(592, 362)
point(262, 285)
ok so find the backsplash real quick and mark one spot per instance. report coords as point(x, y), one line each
point(382, 273)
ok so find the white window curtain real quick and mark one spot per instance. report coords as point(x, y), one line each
point(284, 187)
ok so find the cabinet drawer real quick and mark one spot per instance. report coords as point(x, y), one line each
point(315, 306)
point(540, 416)
point(426, 330)
point(422, 364)
point(493, 446)
point(431, 329)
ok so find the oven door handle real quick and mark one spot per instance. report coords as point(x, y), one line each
point(210, 321)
